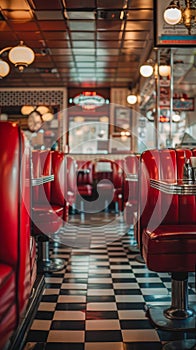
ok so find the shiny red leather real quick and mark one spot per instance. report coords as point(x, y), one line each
point(71, 180)
point(15, 265)
point(130, 188)
point(170, 248)
point(49, 210)
point(186, 204)
point(171, 244)
point(85, 181)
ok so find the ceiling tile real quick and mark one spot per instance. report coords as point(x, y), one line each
point(53, 25)
point(86, 52)
point(109, 25)
point(85, 15)
point(115, 35)
point(83, 44)
point(49, 15)
point(85, 58)
point(47, 5)
point(29, 26)
point(70, 4)
point(14, 5)
point(58, 35)
point(83, 35)
point(81, 25)
point(110, 4)
point(138, 25)
point(59, 44)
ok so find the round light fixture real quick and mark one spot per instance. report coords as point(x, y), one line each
point(21, 56)
point(26, 110)
point(47, 117)
point(79, 119)
point(42, 109)
point(104, 119)
point(176, 117)
point(164, 70)
point(172, 14)
point(146, 70)
point(131, 99)
point(4, 69)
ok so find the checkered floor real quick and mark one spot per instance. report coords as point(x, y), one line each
point(98, 301)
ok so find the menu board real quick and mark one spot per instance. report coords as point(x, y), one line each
point(169, 35)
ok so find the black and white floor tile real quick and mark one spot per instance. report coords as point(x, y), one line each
point(98, 301)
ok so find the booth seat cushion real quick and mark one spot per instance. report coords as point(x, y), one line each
point(85, 190)
point(170, 248)
point(47, 220)
point(8, 312)
point(7, 289)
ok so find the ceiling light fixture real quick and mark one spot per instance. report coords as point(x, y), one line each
point(21, 56)
point(150, 68)
point(132, 97)
point(147, 69)
point(175, 14)
point(164, 70)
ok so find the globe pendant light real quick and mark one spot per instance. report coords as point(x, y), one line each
point(21, 56)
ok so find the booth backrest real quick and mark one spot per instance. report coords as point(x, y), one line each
point(149, 202)
point(15, 207)
point(87, 178)
point(131, 166)
point(186, 204)
point(155, 207)
point(118, 173)
point(71, 175)
point(46, 169)
point(58, 186)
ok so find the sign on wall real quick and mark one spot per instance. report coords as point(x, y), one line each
point(169, 35)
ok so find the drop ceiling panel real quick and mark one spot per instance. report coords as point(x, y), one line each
point(91, 46)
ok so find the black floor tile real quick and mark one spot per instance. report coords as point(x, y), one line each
point(68, 325)
point(100, 299)
point(71, 306)
point(128, 292)
point(130, 306)
point(72, 292)
point(64, 346)
point(143, 346)
point(44, 315)
point(37, 336)
point(49, 298)
point(101, 315)
point(103, 336)
point(135, 324)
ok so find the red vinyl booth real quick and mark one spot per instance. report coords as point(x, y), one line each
point(167, 235)
point(108, 176)
point(131, 167)
point(84, 182)
point(85, 177)
point(49, 207)
point(70, 180)
point(17, 249)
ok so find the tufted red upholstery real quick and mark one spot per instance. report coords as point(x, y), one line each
point(162, 212)
point(85, 181)
point(49, 208)
point(167, 232)
point(17, 271)
point(131, 166)
point(110, 181)
point(71, 180)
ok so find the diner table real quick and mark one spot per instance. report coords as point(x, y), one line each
point(42, 180)
point(131, 177)
point(179, 187)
